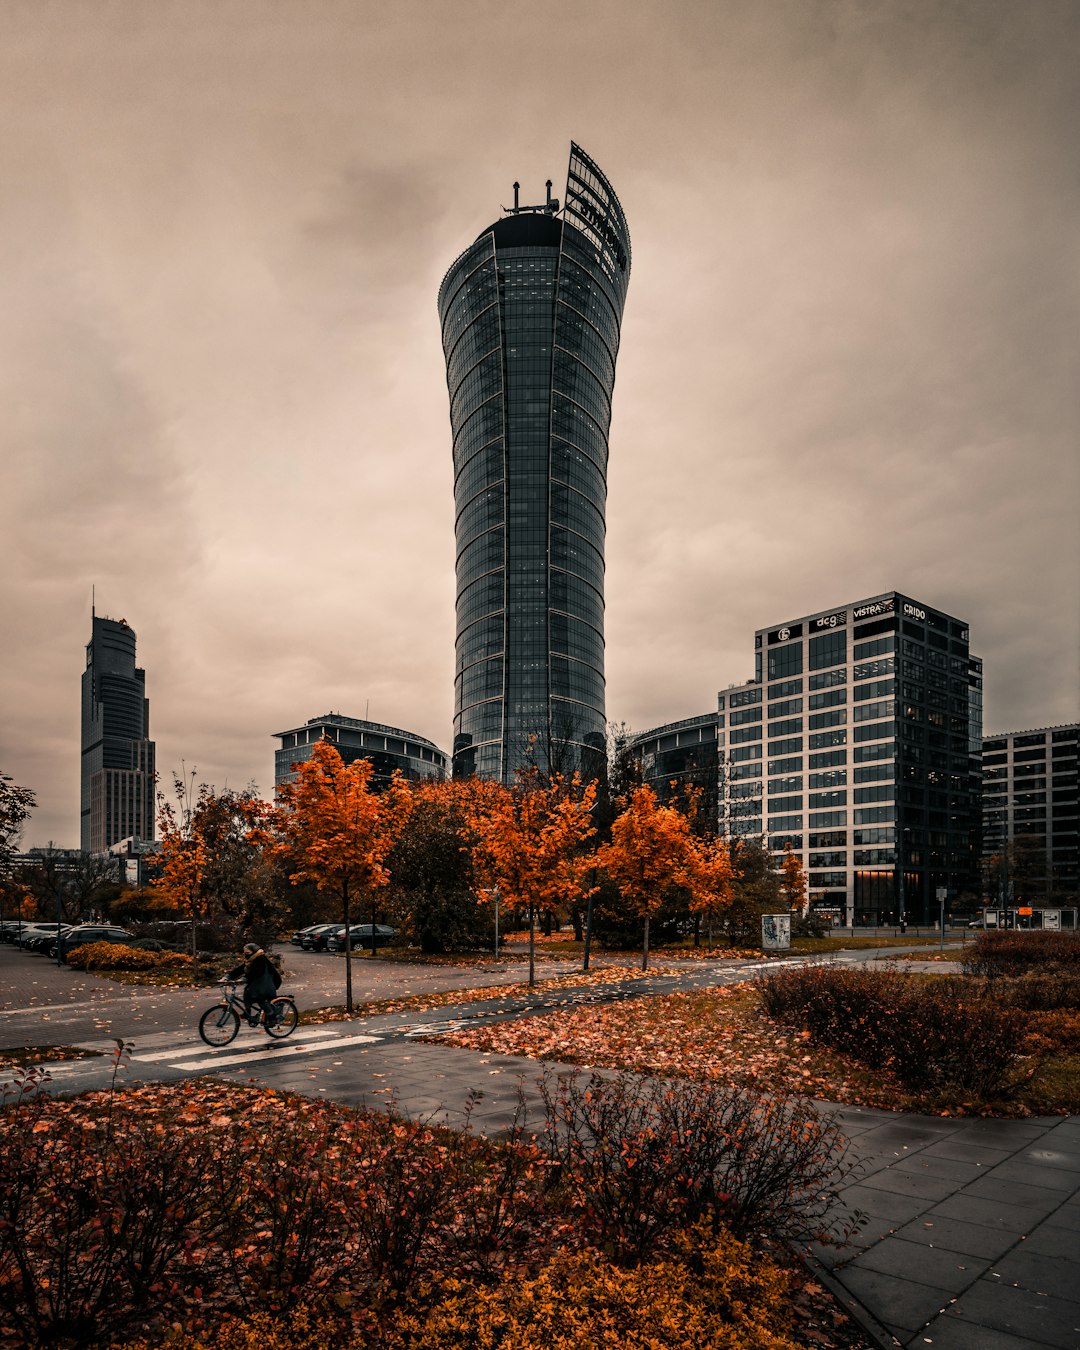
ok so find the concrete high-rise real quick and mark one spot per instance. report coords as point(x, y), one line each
point(117, 790)
point(531, 314)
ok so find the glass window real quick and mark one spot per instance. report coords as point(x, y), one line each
point(835, 717)
point(827, 758)
point(830, 699)
point(824, 820)
point(835, 778)
point(786, 765)
point(786, 707)
point(789, 747)
point(828, 649)
point(820, 739)
point(785, 661)
point(838, 797)
point(743, 697)
point(786, 728)
point(743, 716)
point(785, 689)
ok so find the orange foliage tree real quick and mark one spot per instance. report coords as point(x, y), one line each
point(334, 830)
point(711, 878)
point(651, 851)
point(529, 841)
point(793, 880)
point(180, 866)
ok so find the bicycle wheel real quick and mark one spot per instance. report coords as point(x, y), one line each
point(219, 1024)
point(289, 1018)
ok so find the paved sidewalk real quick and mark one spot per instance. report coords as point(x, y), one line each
point(972, 1233)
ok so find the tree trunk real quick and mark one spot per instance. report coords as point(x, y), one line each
point(532, 945)
point(645, 946)
point(348, 949)
point(372, 923)
point(697, 930)
point(588, 932)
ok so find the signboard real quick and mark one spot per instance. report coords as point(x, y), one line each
point(1025, 909)
point(830, 620)
point(785, 634)
point(776, 932)
point(877, 607)
point(1052, 920)
point(914, 612)
point(943, 895)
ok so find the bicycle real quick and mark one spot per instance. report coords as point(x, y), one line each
point(219, 1024)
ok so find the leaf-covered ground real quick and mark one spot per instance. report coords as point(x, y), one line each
point(723, 1034)
point(41, 1054)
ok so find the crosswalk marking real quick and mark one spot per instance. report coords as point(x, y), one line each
point(177, 1052)
point(225, 1060)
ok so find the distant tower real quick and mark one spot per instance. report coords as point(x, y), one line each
point(530, 316)
point(117, 799)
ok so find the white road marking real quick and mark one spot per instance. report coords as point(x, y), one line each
point(178, 1052)
point(226, 1061)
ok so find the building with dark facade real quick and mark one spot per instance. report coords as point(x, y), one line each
point(1031, 817)
point(681, 755)
point(530, 315)
point(118, 770)
point(389, 748)
point(858, 742)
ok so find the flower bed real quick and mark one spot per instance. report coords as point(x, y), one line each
point(175, 1215)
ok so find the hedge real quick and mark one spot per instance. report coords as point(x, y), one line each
point(118, 956)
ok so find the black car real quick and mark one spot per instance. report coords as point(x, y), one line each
point(360, 937)
point(87, 933)
point(313, 931)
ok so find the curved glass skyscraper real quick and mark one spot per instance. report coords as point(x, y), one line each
point(530, 324)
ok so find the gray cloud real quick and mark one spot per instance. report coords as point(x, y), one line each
point(848, 358)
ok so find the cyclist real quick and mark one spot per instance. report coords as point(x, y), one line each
point(261, 981)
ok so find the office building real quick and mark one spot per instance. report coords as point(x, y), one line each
point(858, 743)
point(118, 770)
point(530, 316)
point(389, 748)
point(1031, 819)
point(679, 756)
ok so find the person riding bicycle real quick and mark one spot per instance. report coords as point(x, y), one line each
point(261, 981)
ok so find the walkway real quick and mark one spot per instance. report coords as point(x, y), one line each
point(972, 1238)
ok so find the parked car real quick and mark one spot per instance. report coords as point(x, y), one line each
point(37, 937)
point(313, 930)
point(360, 937)
point(86, 933)
point(314, 939)
point(10, 930)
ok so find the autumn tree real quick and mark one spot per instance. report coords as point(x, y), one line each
point(755, 889)
point(711, 878)
point(792, 880)
point(69, 882)
point(16, 804)
point(651, 852)
point(179, 883)
point(336, 831)
point(433, 877)
point(529, 839)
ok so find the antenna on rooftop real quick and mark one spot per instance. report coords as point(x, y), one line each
point(517, 189)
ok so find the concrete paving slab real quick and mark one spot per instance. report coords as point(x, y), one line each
point(898, 1209)
point(1049, 1155)
point(1067, 1218)
point(1041, 1176)
point(1034, 1270)
point(949, 1169)
point(954, 1235)
point(920, 1185)
point(1043, 1320)
point(950, 1333)
point(990, 1213)
point(962, 1150)
point(902, 1305)
point(925, 1265)
point(994, 1187)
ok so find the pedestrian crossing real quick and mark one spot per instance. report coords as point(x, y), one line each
point(194, 1056)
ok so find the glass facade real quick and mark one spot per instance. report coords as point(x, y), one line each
point(389, 749)
point(530, 318)
point(891, 737)
point(118, 768)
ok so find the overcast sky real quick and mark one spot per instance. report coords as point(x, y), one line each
point(849, 355)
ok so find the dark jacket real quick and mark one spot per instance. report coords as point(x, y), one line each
point(258, 973)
